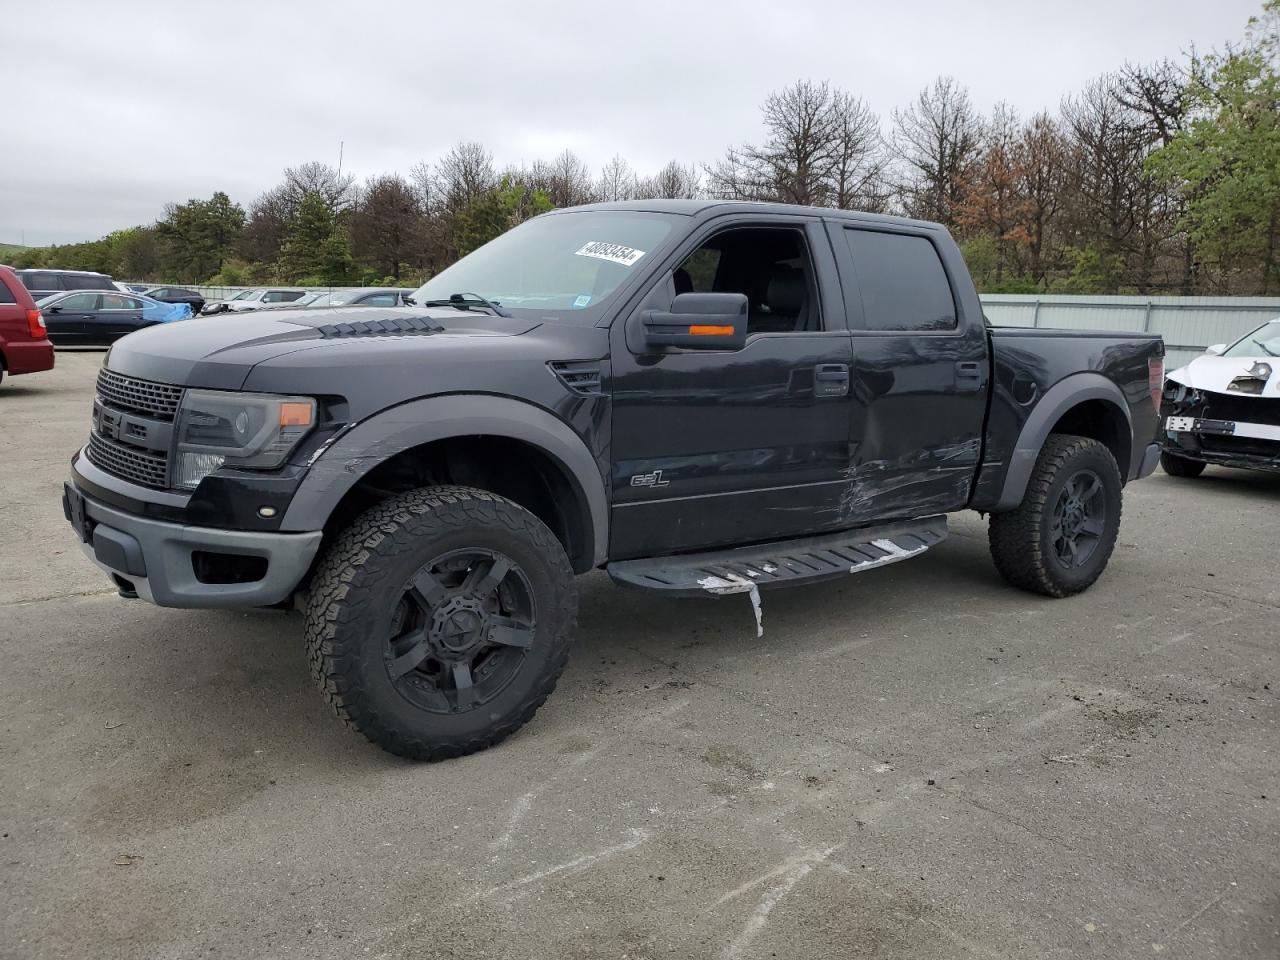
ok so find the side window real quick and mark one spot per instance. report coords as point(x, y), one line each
point(771, 265)
point(117, 301)
point(380, 300)
point(288, 296)
point(6, 296)
point(160, 294)
point(274, 296)
point(40, 281)
point(901, 281)
point(79, 301)
point(698, 273)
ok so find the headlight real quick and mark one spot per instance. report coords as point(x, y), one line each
point(253, 431)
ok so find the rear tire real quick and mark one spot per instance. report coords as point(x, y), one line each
point(1058, 540)
point(1176, 466)
point(439, 621)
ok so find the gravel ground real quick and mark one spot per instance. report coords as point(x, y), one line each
point(916, 762)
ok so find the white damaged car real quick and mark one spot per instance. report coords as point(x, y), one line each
point(1224, 407)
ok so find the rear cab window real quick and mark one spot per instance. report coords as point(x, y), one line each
point(900, 283)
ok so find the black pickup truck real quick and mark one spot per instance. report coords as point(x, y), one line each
point(700, 398)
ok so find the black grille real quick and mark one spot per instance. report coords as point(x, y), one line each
point(140, 466)
point(158, 400)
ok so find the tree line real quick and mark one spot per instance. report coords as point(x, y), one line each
point(1156, 178)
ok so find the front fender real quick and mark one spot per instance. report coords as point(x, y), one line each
point(354, 453)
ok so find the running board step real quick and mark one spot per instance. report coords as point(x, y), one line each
point(782, 562)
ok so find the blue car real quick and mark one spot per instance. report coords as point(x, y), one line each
point(97, 318)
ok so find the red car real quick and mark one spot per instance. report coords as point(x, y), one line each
point(24, 341)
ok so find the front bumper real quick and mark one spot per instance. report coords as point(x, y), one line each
point(157, 559)
point(1227, 443)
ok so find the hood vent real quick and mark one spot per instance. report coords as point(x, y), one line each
point(581, 377)
point(390, 326)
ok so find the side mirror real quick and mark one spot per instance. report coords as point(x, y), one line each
point(698, 321)
point(52, 309)
point(1217, 350)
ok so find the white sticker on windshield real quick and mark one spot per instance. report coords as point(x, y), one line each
point(613, 252)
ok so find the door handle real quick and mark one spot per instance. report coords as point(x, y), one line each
point(831, 380)
point(968, 375)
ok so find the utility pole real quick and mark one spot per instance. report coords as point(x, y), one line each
point(341, 144)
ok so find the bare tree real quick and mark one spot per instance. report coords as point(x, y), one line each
point(858, 157)
point(1040, 156)
point(675, 181)
point(992, 203)
point(822, 148)
point(617, 181)
point(1156, 95)
point(266, 226)
point(936, 141)
point(1108, 197)
point(389, 225)
point(337, 190)
point(566, 179)
point(459, 177)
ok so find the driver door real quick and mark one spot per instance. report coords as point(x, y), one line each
point(723, 447)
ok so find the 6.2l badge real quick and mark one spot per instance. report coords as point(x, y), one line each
point(649, 480)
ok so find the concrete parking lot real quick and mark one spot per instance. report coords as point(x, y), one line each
point(916, 762)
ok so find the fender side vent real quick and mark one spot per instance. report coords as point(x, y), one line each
point(392, 326)
point(581, 377)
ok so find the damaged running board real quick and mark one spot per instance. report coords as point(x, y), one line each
point(784, 562)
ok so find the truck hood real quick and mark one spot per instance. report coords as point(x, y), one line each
point(218, 352)
point(1238, 376)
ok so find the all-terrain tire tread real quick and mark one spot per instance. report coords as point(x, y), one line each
point(337, 600)
point(1015, 537)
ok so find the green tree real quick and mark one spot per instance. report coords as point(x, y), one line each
point(496, 211)
point(1227, 160)
point(197, 236)
point(316, 247)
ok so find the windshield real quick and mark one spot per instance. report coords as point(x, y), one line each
point(246, 295)
point(1263, 342)
point(559, 263)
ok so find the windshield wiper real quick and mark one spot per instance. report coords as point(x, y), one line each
point(1270, 352)
point(464, 301)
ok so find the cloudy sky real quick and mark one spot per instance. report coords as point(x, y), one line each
point(117, 108)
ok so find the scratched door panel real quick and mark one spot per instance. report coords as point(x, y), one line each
point(716, 448)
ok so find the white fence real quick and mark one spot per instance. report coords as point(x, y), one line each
point(1188, 324)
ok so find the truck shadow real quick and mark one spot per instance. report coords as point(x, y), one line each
point(239, 712)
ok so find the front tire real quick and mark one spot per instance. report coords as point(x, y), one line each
point(1177, 466)
point(1058, 540)
point(439, 621)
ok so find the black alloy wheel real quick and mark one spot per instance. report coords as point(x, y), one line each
point(461, 630)
point(1079, 519)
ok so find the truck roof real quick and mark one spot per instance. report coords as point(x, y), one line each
point(697, 208)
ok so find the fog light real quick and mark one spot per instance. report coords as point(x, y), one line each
point(194, 467)
point(266, 513)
